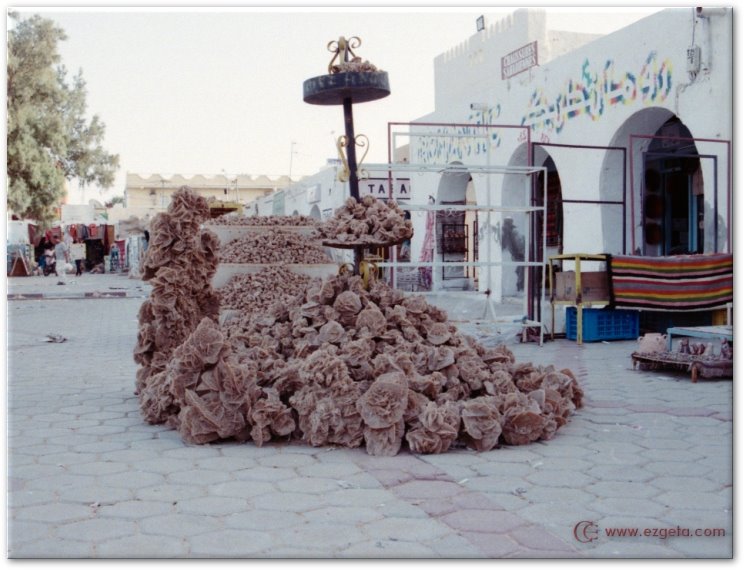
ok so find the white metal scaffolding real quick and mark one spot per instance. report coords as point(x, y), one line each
point(488, 314)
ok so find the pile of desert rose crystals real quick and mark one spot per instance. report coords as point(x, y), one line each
point(337, 365)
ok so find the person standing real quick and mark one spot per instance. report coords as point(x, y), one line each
point(62, 256)
point(77, 252)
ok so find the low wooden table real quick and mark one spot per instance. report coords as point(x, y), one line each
point(698, 366)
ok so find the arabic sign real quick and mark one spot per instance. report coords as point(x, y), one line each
point(519, 60)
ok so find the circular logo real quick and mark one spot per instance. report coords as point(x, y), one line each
point(586, 531)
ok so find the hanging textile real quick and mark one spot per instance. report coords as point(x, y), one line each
point(110, 236)
point(672, 283)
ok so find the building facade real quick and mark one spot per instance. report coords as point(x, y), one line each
point(633, 132)
point(147, 195)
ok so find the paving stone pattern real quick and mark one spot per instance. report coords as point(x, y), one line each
point(88, 478)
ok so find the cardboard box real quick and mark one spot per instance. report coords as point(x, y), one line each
point(594, 286)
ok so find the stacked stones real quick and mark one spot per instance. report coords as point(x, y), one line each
point(279, 247)
point(368, 222)
point(255, 293)
point(344, 366)
point(179, 263)
point(232, 220)
point(337, 364)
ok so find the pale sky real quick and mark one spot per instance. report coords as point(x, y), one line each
point(207, 91)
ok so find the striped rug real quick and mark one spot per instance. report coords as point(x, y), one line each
point(674, 283)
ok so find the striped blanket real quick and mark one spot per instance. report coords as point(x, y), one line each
point(674, 283)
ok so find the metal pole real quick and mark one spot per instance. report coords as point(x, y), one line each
point(351, 149)
point(353, 176)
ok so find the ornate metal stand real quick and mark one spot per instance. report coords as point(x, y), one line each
point(343, 86)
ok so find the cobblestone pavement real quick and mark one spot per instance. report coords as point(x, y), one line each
point(88, 478)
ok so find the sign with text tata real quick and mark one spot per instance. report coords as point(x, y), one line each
point(519, 60)
point(380, 188)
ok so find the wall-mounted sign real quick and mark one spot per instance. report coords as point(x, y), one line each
point(380, 188)
point(519, 60)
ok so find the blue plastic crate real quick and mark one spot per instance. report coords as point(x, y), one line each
point(603, 324)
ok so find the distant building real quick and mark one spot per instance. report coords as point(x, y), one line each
point(147, 195)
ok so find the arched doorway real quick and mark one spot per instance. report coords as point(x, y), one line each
point(315, 212)
point(516, 227)
point(553, 211)
point(673, 200)
point(452, 229)
point(669, 213)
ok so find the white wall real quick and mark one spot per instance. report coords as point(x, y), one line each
point(586, 96)
point(18, 231)
point(628, 82)
point(598, 94)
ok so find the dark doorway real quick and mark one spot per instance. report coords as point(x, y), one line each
point(673, 197)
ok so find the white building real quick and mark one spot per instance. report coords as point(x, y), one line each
point(634, 129)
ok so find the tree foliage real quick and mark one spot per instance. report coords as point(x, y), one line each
point(49, 138)
point(115, 200)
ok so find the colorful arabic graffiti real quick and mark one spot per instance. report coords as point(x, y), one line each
point(593, 92)
point(590, 95)
point(458, 147)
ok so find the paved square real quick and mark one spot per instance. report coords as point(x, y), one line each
point(88, 478)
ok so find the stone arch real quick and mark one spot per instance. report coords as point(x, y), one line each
point(449, 245)
point(644, 122)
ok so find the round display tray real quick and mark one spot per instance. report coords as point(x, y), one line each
point(347, 245)
point(333, 89)
point(227, 270)
point(227, 233)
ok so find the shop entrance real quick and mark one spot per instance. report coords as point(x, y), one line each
point(452, 227)
point(673, 194)
point(553, 211)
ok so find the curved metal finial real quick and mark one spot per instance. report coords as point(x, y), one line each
point(345, 174)
point(362, 141)
point(342, 50)
point(368, 271)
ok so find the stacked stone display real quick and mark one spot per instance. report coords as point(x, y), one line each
point(367, 222)
point(338, 364)
point(255, 293)
point(179, 263)
point(343, 366)
point(267, 221)
point(279, 247)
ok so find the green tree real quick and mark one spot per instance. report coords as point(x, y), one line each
point(49, 138)
point(115, 200)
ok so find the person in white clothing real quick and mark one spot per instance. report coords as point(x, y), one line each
point(62, 255)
